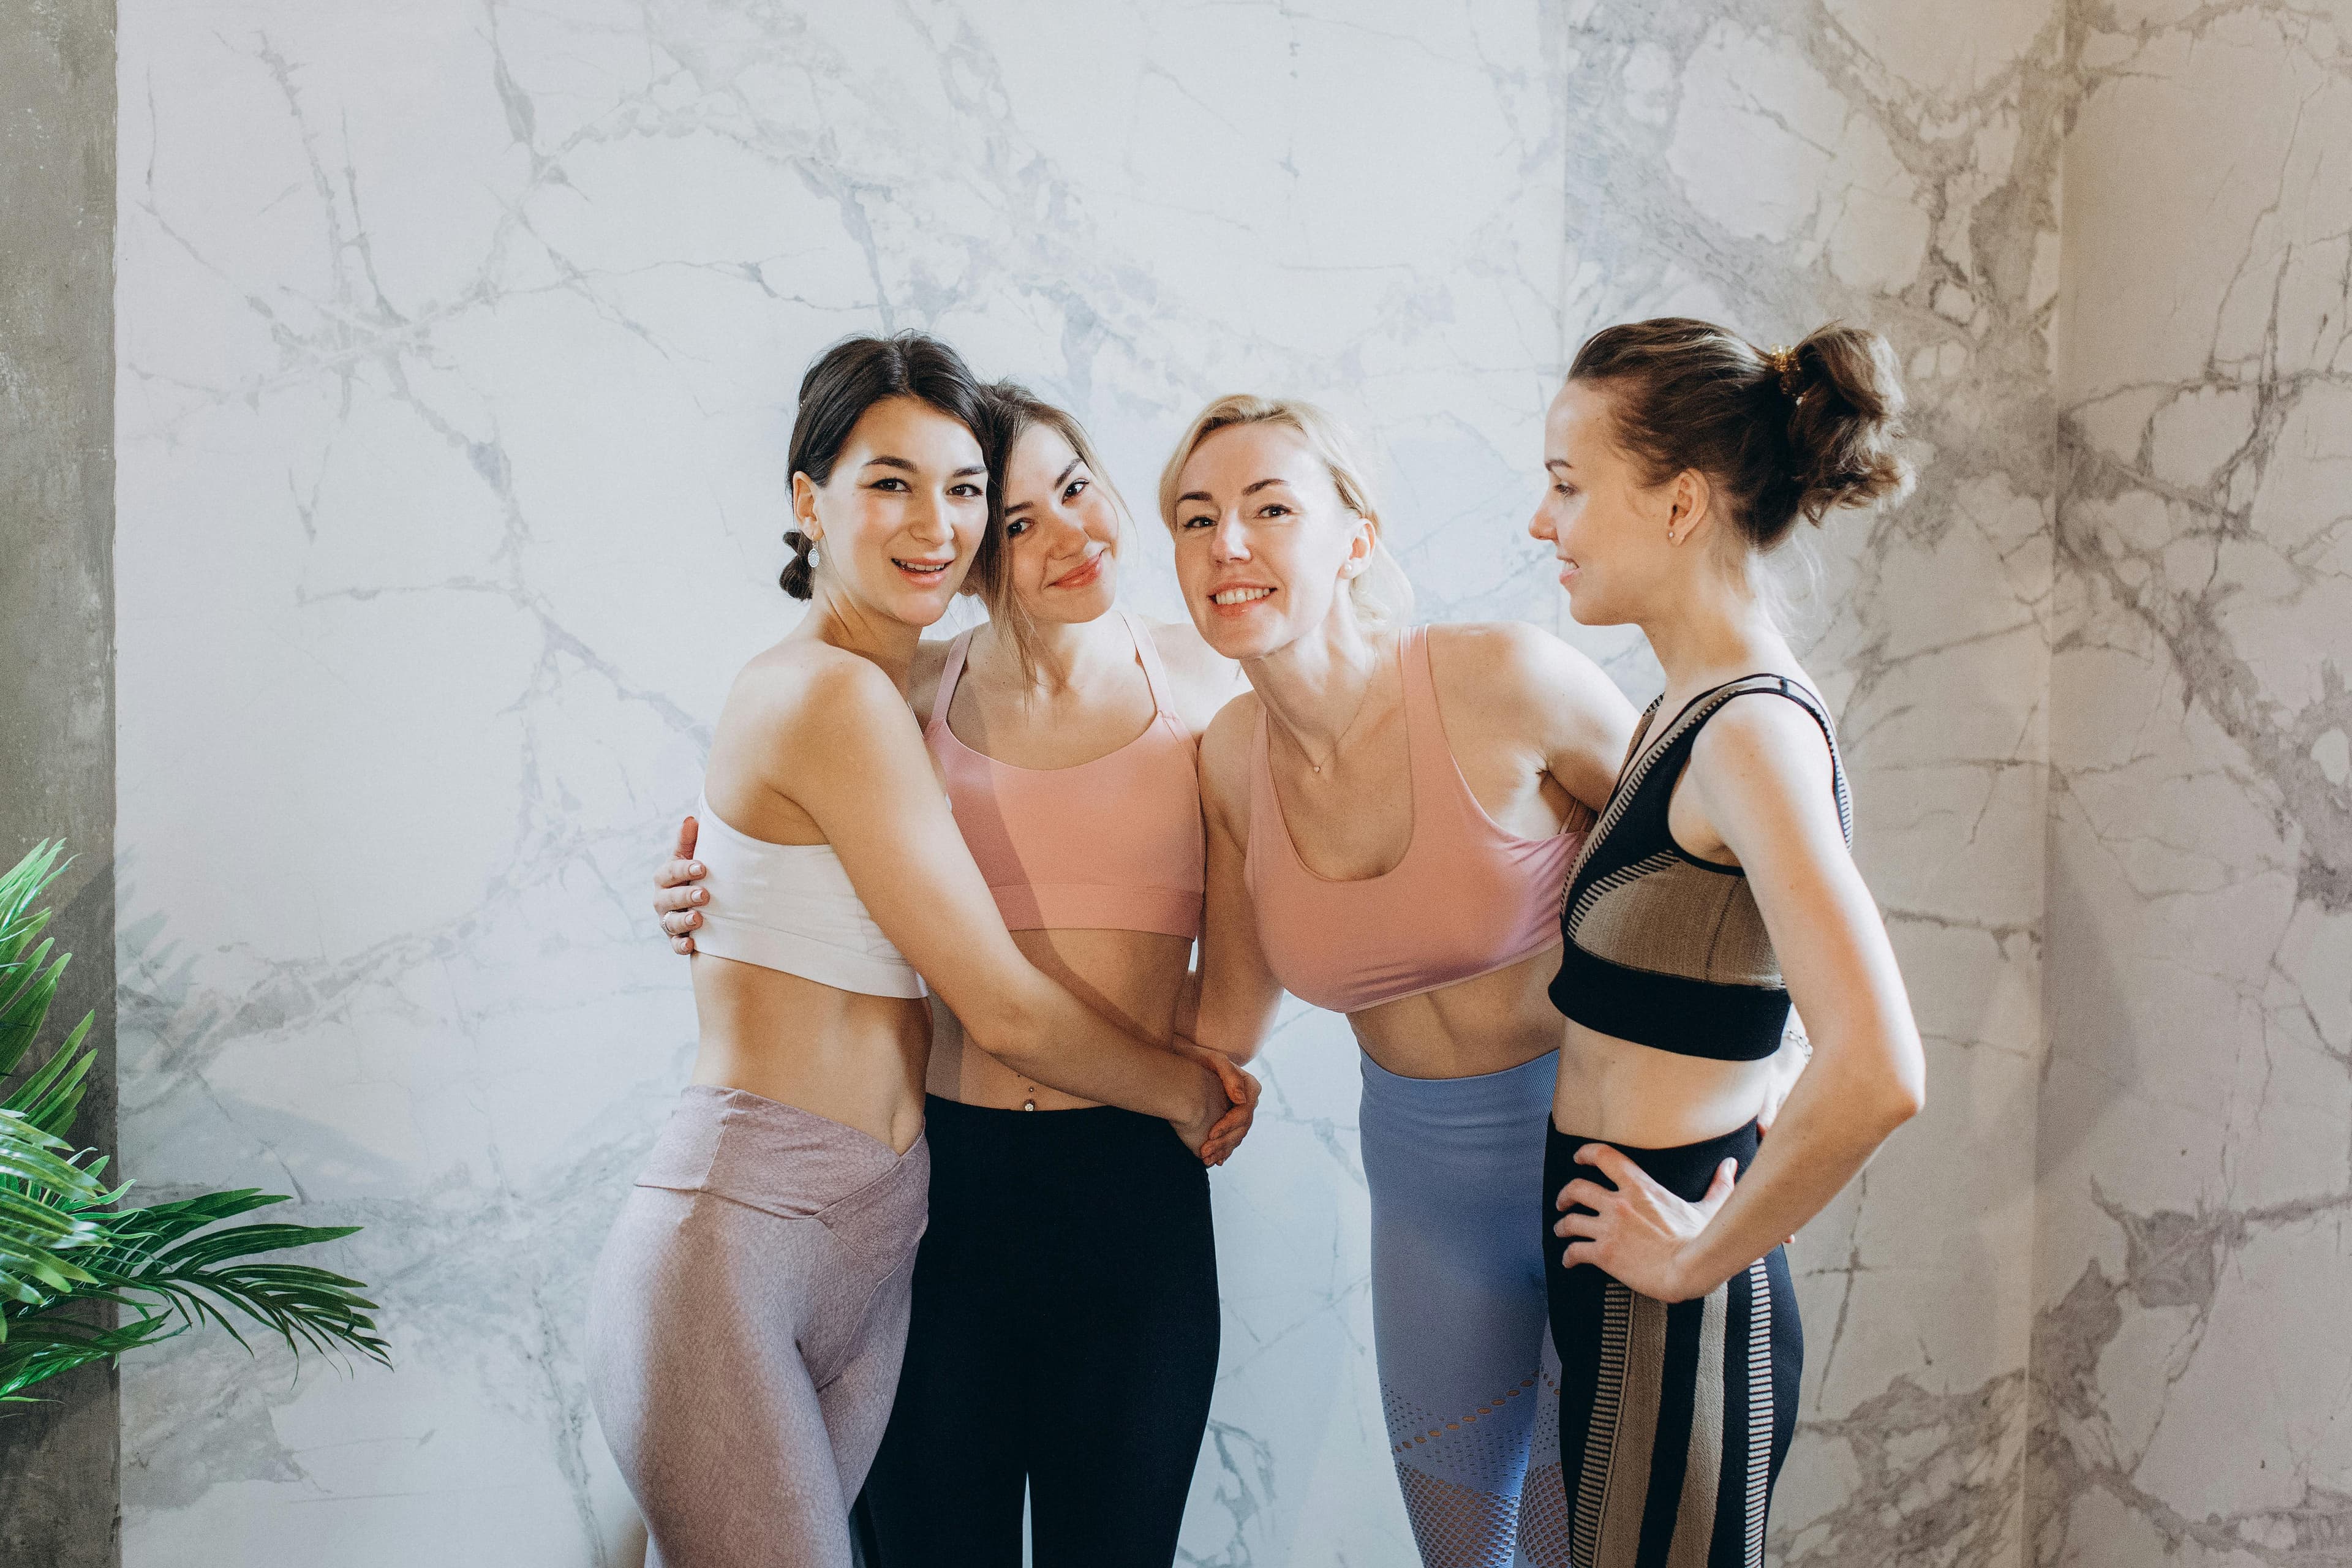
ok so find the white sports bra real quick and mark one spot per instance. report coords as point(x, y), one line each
point(790, 907)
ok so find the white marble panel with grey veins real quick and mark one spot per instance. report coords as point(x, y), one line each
point(2192, 1378)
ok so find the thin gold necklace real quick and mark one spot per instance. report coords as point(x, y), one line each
point(1362, 702)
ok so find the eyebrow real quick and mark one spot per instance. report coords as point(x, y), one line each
point(1247, 490)
point(1558, 463)
point(890, 462)
point(1058, 480)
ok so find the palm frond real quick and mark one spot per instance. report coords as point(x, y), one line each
point(65, 1244)
point(45, 1204)
point(26, 985)
point(164, 1262)
point(43, 1347)
point(51, 1097)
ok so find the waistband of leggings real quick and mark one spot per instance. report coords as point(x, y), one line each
point(1095, 1131)
point(783, 1160)
point(1511, 1097)
point(1684, 1170)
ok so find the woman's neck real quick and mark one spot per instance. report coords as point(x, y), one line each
point(1063, 654)
point(836, 619)
point(1315, 687)
point(1717, 631)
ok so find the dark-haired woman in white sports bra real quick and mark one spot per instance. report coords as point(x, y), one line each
point(750, 1310)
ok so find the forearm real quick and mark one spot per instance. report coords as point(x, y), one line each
point(1187, 1004)
point(1049, 1036)
point(1834, 1120)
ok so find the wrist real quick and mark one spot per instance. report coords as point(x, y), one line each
point(1688, 1275)
point(1193, 1090)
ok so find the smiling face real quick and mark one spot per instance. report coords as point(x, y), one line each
point(1264, 546)
point(1608, 529)
point(901, 514)
point(1061, 530)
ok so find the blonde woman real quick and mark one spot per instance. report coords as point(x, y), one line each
point(1391, 812)
point(1065, 1326)
point(1716, 887)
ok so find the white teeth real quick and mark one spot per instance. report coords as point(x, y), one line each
point(922, 565)
point(1240, 595)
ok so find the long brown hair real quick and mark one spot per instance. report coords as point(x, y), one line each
point(1012, 411)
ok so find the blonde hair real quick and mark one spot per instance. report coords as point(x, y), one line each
point(1380, 592)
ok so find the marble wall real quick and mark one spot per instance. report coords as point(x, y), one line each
point(2191, 1365)
point(457, 343)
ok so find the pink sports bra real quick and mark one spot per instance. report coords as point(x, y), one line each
point(1114, 843)
point(1467, 900)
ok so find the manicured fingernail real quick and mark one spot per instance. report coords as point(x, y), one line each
point(694, 868)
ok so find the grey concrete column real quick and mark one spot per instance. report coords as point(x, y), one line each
point(60, 1463)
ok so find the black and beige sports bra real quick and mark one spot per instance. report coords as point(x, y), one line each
point(1660, 947)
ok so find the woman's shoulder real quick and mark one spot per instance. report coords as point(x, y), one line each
point(1508, 661)
point(1181, 648)
point(1769, 737)
point(801, 681)
point(1205, 681)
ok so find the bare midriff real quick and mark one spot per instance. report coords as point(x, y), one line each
point(854, 1058)
point(1489, 1023)
point(1616, 1092)
point(1135, 979)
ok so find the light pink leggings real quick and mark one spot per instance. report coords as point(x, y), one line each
point(745, 1327)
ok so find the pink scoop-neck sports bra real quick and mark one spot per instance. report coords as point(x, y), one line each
point(1114, 843)
point(1467, 900)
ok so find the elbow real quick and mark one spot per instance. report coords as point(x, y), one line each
point(1239, 1044)
point(1903, 1096)
point(1002, 1026)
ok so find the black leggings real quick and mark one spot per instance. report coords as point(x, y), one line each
point(1065, 1336)
point(1673, 1419)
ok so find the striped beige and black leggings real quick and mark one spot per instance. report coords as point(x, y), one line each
point(1674, 1420)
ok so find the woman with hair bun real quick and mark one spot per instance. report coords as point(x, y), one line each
point(1391, 811)
point(1716, 887)
point(750, 1308)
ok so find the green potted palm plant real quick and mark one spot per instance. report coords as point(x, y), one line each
point(68, 1239)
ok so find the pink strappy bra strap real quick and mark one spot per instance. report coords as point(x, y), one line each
point(1147, 652)
point(1434, 777)
point(948, 674)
